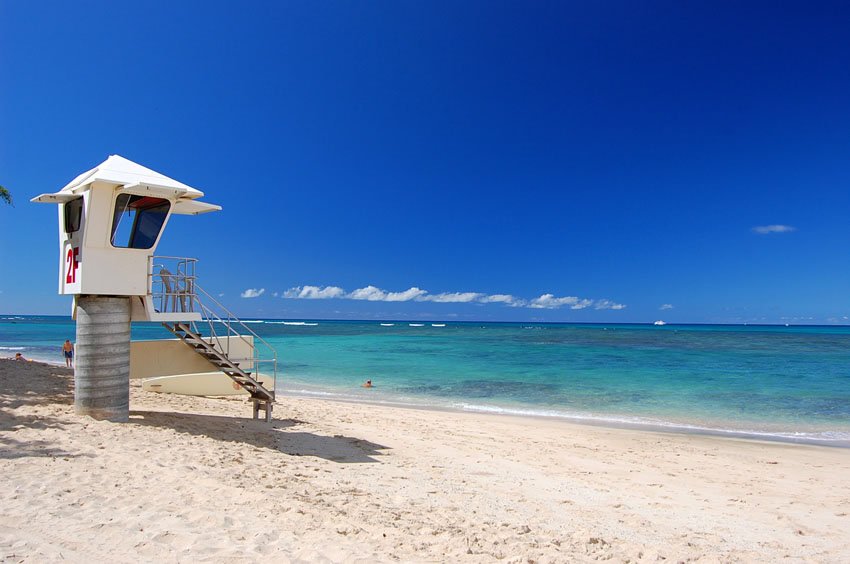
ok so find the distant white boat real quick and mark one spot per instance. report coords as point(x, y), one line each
point(416, 324)
point(438, 325)
point(659, 322)
point(387, 324)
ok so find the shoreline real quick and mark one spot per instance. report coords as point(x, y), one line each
point(610, 421)
point(590, 421)
point(55, 363)
point(724, 413)
point(339, 481)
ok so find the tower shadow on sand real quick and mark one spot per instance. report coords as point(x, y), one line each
point(281, 436)
point(25, 387)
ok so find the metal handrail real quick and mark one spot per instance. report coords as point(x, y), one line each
point(211, 317)
point(186, 294)
point(183, 279)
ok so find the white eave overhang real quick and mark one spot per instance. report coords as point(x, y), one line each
point(193, 207)
point(57, 198)
point(182, 205)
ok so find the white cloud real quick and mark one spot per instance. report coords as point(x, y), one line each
point(767, 229)
point(314, 292)
point(252, 293)
point(374, 294)
point(506, 299)
point(666, 306)
point(409, 294)
point(453, 297)
point(370, 293)
point(549, 301)
point(608, 304)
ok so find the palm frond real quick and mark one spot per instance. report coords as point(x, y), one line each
point(6, 196)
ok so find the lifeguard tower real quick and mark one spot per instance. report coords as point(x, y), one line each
point(111, 219)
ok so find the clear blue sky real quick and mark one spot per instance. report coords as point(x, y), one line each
point(615, 153)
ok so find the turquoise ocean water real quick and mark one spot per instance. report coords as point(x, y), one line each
point(783, 383)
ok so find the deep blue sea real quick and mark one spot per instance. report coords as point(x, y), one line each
point(773, 382)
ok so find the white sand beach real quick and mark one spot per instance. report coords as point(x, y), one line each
point(194, 479)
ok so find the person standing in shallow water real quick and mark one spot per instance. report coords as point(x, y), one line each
point(68, 351)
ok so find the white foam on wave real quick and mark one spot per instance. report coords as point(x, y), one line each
point(12, 348)
point(387, 324)
point(416, 324)
point(315, 393)
point(438, 325)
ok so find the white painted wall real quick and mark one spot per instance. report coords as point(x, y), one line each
point(102, 269)
point(169, 357)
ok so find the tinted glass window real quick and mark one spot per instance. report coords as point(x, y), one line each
point(137, 221)
point(73, 215)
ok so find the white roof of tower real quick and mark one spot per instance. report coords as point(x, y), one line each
point(118, 170)
point(135, 179)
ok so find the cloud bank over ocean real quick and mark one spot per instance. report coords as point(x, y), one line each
point(415, 294)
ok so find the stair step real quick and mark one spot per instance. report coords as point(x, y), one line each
point(259, 394)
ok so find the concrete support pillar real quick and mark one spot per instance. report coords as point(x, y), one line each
point(102, 364)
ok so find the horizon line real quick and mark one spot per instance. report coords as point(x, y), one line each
point(378, 320)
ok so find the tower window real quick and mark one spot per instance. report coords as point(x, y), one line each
point(73, 215)
point(138, 220)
